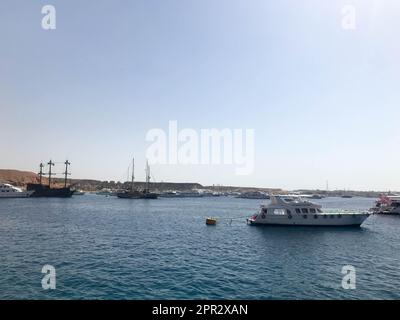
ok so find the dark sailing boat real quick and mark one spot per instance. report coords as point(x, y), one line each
point(136, 194)
point(41, 190)
point(146, 192)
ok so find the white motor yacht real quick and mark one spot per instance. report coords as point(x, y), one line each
point(9, 191)
point(294, 211)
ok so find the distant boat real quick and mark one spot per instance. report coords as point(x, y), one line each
point(104, 192)
point(253, 195)
point(346, 196)
point(211, 193)
point(387, 205)
point(9, 191)
point(169, 194)
point(181, 194)
point(191, 194)
point(316, 196)
point(78, 193)
point(310, 196)
point(136, 194)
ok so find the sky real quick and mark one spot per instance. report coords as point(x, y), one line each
point(323, 101)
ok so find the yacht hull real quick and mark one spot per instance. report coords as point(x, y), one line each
point(16, 195)
point(42, 191)
point(137, 195)
point(328, 220)
point(393, 212)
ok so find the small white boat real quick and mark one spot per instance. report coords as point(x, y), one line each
point(294, 211)
point(9, 191)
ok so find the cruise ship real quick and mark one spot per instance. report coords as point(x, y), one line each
point(9, 191)
point(295, 211)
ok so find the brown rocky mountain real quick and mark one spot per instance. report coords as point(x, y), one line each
point(18, 178)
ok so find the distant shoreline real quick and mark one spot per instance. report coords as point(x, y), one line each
point(22, 178)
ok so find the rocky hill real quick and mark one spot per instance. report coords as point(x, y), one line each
point(18, 178)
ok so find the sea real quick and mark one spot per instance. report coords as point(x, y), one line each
point(108, 248)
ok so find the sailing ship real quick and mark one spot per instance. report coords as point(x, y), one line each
point(41, 190)
point(138, 194)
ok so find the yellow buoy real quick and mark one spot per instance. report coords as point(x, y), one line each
point(211, 221)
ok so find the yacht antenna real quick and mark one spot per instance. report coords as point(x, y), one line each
point(41, 172)
point(67, 163)
point(51, 164)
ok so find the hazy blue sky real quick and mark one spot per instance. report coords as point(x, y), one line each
point(324, 101)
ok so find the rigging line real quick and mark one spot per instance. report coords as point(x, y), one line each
point(230, 218)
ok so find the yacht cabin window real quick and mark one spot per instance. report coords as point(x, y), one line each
point(279, 211)
point(304, 210)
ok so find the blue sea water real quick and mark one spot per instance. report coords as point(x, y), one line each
point(109, 248)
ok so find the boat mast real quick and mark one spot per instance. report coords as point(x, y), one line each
point(51, 164)
point(147, 176)
point(133, 173)
point(67, 163)
point(41, 172)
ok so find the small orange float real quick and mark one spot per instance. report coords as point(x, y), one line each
point(211, 221)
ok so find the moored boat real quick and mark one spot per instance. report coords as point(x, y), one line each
point(138, 194)
point(40, 190)
point(387, 205)
point(253, 195)
point(294, 211)
point(9, 191)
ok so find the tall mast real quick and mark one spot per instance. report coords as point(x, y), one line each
point(50, 163)
point(133, 173)
point(67, 163)
point(147, 175)
point(41, 172)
